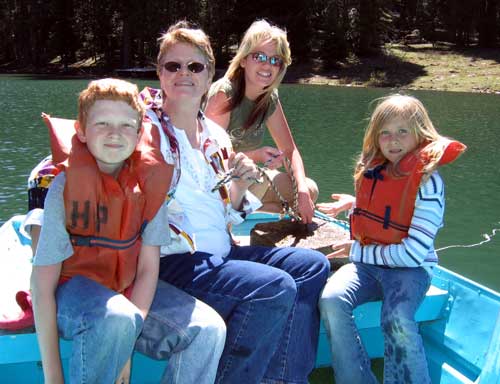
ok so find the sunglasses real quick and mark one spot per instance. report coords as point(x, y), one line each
point(193, 66)
point(260, 57)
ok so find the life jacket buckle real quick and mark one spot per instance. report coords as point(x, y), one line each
point(81, 241)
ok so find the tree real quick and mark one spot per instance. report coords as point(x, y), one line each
point(65, 41)
point(488, 23)
point(372, 25)
point(332, 26)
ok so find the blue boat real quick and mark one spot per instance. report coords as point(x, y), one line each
point(459, 322)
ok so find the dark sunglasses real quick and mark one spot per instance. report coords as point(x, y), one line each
point(261, 57)
point(193, 66)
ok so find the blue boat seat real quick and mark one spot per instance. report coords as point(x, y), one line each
point(20, 361)
point(22, 348)
point(20, 356)
point(367, 318)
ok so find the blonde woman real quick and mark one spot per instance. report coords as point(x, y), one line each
point(246, 100)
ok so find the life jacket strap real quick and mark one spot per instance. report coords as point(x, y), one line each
point(105, 242)
point(385, 221)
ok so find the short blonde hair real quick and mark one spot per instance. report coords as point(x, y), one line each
point(414, 114)
point(259, 32)
point(183, 32)
point(108, 89)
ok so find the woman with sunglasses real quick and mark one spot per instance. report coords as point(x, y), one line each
point(267, 296)
point(246, 100)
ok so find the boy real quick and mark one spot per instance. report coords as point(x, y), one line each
point(95, 270)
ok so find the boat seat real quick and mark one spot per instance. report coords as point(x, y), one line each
point(19, 351)
point(367, 318)
point(22, 347)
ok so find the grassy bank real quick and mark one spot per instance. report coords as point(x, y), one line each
point(419, 66)
point(440, 67)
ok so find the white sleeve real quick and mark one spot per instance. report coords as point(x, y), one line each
point(250, 204)
point(54, 245)
point(33, 217)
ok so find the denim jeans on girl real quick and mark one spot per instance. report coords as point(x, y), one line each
point(268, 297)
point(402, 290)
point(104, 327)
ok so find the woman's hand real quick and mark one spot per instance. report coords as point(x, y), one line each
point(305, 207)
point(340, 249)
point(271, 157)
point(245, 171)
point(344, 203)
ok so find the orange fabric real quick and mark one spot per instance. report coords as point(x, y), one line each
point(385, 204)
point(453, 150)
point(61, 132)
point(109, 211)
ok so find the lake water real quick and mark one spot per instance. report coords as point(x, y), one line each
point(327, 124)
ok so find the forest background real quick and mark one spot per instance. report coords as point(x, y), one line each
point(432, 44)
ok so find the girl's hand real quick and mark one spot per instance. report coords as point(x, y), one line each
point(344, 203)
point(271, 157)
point(306, 207)
point(245, 171)
point(340, 249)
point(124, 377)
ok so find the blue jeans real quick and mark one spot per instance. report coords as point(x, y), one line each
point(268, 297)
point(105, 326)
point(402, 290)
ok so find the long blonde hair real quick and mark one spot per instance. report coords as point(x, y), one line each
point(259, 32)
point(412, 111)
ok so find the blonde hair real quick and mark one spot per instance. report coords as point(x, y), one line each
point(259, 32)
point(184, 32)
point(413, 113)
point(108, 89)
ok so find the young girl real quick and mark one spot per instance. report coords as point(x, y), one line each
point(246, 100)
point(395, 217)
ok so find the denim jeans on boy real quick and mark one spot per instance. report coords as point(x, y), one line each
point(268, 297)
point(104, 327)
point(402, 290)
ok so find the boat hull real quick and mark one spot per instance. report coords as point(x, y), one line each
point(459, 323)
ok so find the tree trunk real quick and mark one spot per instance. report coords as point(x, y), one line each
point(487, 23)
point(368, 27)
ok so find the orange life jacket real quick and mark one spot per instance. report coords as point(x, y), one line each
point(385, 203)
point(106, 216)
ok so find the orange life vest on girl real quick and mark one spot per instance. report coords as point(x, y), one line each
point(385, 203)
point(106, 216)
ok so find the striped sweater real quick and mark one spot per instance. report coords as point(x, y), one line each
point(416, 250)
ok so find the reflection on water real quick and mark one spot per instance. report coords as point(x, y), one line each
point(327, 123)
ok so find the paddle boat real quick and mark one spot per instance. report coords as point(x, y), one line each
point(459, 322)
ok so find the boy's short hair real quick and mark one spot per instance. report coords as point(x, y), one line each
point(108, 89)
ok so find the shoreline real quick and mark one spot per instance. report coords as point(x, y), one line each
point(407, 67)
point(430, 67)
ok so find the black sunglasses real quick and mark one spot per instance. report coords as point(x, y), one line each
point(193, 66)
point(261, 57)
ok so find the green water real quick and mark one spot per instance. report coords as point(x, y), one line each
point(327, 123)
